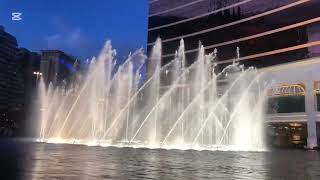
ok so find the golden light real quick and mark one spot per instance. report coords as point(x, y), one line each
point(295, 124)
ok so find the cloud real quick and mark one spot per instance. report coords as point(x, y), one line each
point(70, 39)
point(73, 38)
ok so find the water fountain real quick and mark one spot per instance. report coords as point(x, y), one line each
point(177, 106)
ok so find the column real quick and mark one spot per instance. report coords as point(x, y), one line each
point(311, 114)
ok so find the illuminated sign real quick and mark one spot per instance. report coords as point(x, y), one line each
point(287, 90)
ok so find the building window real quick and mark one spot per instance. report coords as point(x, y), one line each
point(316, 88)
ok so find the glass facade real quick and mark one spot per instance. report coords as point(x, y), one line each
point(318, 101)
point(288, 104)
point(317, 94)
point(287, 98)
point(268, 32)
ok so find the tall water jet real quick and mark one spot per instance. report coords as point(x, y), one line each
point(176, 106)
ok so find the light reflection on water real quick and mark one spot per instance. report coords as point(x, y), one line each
point(44, 161)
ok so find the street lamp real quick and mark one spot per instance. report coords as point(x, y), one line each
point(37, 73)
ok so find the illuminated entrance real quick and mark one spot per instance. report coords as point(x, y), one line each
point(287, 134)
point(286, 103)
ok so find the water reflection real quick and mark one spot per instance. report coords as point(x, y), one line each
point(21, 160)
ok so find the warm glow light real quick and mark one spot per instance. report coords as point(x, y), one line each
point(37, 73)
point(295, 124)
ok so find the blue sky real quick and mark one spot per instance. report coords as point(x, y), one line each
point(78, 27)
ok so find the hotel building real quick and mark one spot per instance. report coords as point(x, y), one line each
point(280, 37)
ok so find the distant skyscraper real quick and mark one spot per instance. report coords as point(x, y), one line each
point(30, 68)
point(30, 65)
point(57, 66)
point(11, 84)
point(11, 81)
point(20, 70)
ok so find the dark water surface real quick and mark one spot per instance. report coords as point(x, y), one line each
point(25, 160)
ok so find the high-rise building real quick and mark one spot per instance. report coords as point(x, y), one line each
point(11, 83)
point(57, 66)
point(20, 71)
point(268, 32)
point(30, 68)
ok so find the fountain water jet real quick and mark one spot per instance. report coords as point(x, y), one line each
point(178, 106)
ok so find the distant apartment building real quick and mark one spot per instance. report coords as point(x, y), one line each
point(57, 66)
point(11, 82)
point(29, 63)
point(20, 72)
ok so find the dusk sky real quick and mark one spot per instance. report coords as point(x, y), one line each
point(78, 27)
